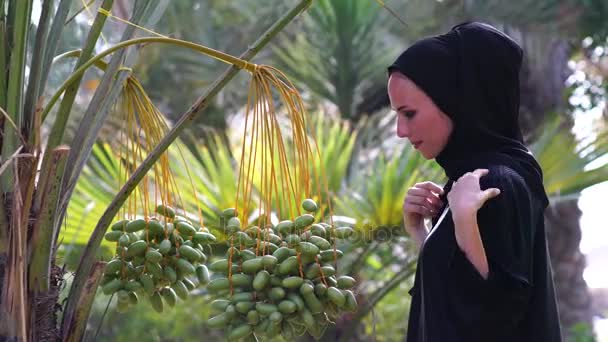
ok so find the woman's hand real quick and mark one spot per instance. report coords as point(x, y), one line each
point(422, 200)
point(466, 197)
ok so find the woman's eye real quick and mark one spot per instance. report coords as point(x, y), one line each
point(409, 113)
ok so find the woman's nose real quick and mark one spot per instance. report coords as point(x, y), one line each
point(402, 128)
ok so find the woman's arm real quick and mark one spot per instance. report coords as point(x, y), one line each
point(418, 233)
point(490, 266)
point(469, 241)
point(466, 198)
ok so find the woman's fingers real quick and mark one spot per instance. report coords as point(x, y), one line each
point(420, 205)
point(466, 194)
point(490, 193)
point(430, 186)
point(425, 193)
point(423, 201)
point(419, 209)
point(480, 172)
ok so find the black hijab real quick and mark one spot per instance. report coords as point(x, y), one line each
point(472, 75)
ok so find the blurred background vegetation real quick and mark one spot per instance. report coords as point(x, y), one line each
point(337, 55)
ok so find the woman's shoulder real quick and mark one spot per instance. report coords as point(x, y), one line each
point(503, 176)
point(515, 193)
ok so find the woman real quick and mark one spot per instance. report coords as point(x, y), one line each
point(483, 271)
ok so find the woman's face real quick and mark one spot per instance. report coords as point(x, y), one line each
point(418, 118)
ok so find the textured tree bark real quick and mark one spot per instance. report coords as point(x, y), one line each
point(542, 80)
point(46, 307)
point(564, 236)
point(3, 313)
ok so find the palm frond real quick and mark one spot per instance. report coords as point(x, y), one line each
point(338, 52)
point(570, 165)
point(375, 199)
point(94, 191)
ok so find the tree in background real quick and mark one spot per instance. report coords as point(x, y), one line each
point(338, 53)
point(39, 169)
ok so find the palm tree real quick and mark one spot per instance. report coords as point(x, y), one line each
point(33, 202)
point(29, 278)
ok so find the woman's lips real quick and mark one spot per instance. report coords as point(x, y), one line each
point(416, 144)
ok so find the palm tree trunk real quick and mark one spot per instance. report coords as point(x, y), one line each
point(568, 263)
point(46, 308)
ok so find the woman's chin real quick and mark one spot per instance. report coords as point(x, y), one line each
point(426, 155)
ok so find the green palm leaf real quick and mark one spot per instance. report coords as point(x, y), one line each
point(570, 165)
point(94, 191)
point(375, 199)
point(339, 52)
point(335, 139)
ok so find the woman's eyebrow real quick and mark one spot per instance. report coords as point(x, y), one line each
point(400, 108)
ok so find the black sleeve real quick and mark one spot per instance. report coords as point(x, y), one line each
point(507, 225)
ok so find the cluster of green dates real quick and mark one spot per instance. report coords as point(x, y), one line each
point(161, 259)
point(280, 280)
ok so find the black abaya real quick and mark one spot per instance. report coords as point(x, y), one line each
point(450, 299)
